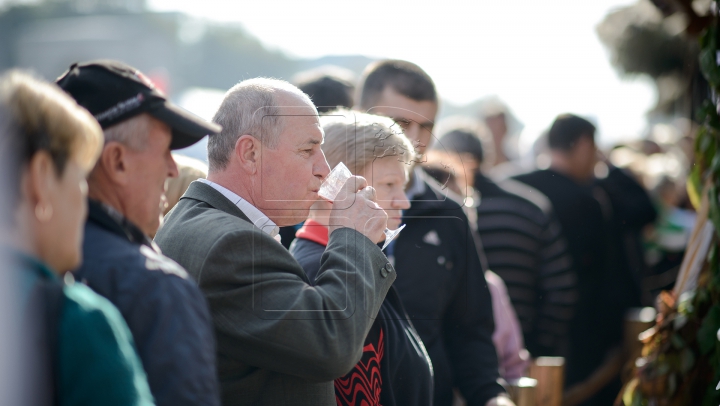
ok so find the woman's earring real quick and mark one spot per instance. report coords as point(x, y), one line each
point(43, 213)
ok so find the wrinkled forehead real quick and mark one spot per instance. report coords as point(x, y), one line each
point(301, 129)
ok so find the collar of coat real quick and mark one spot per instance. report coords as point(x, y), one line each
point(112, 220)
point(435, 197)
point(206, 193)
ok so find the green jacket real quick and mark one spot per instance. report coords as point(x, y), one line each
point(94, 358)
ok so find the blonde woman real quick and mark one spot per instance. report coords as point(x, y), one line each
point(395, 368)
point(92, 360)
point(189, 170)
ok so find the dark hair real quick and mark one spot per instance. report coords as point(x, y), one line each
point(567, 129)
point(404, 77)
point(463, 141)
point(328, 91)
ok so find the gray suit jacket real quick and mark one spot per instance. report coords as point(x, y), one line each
point(280, 340)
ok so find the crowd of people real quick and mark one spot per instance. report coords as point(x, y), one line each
point(146, 278)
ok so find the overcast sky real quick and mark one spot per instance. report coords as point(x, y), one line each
point(541, 57)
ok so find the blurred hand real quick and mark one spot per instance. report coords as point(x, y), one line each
point(355, 207)
point(500, 401)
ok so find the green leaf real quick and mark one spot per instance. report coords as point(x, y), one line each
point(630, 392)
point(707, 39)
point(705, 110)
point(707, 333)
point(714, 207)
point(685, 302)
point(672, 384)
point(712, 397)
point(708, 66)
point(702, 294)
point(694, 186)
point(715, 163)
point(677, 342)
point(687, 360)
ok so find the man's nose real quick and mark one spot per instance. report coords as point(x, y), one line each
point(412, 132)
point(321, 169)
point(400, 201)
point(172, 168)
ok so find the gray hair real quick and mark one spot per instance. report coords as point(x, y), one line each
point(133, 132)
point(250, 107)
point(357, 139)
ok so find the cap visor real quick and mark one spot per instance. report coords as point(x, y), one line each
point(187, 128)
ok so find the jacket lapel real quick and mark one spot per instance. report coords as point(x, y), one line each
point(205, 193)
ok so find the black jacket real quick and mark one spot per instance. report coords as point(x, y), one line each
point(166, 313)
point(392, 347)
point(442, 285)
point(524, 245)
point(602, 286)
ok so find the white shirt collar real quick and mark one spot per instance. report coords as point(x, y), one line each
point(257, 217)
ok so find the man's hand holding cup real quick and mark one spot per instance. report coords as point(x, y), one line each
point(355, 207)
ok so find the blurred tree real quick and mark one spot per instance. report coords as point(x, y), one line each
point(656, 38)
point(181, 50)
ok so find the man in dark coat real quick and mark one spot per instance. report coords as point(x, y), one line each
point(281, 339)
point(166, 313)
point(605, 289)
point(440, 279)
point(522, 241)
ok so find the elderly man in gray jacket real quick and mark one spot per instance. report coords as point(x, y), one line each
point(281, 339)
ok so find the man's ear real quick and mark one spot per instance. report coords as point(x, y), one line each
point(114, 162)
point(248, 152)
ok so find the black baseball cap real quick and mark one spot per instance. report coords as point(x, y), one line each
point(114, 92)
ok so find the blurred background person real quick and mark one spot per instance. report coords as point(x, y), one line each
point(522, 243)
point(504, 130)
point(329, 87)
point(189, 170)
point(90, 355)
point(19, 360)
point(661, 167)
point(628, 209)
point(568, 184)
point(440, 278)
point(126, 198)
point(395, 368)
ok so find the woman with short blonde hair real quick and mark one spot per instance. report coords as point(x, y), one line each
point(395, 368)
point(53, 145)
point(358, 139)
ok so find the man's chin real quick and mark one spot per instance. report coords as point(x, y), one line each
point(151, 229)
point(393, 226)
point(295, 217)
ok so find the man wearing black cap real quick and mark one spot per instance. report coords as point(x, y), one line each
point(163, 307)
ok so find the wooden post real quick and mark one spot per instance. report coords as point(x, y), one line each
point(549, 373)
point(637, 320)
point(522, 391)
